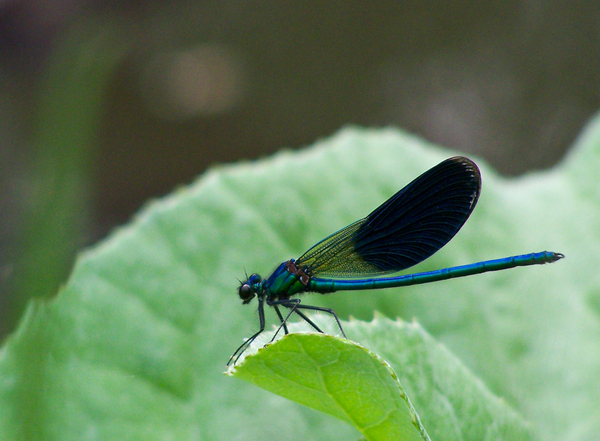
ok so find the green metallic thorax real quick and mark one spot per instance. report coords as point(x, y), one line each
point(287, 280)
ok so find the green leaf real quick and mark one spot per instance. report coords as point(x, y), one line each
point(452, 403)
point(134, 345)
point(337, 377)
point(345, 380)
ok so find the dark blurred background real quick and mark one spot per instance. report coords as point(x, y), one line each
point(105, 104)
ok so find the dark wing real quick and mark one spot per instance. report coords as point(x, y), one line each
point(406, 229)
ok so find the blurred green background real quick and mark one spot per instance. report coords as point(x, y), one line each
point(106, 104)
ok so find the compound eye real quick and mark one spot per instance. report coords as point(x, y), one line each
point(246, 293)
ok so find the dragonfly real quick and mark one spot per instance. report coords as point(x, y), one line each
point(406, 229)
